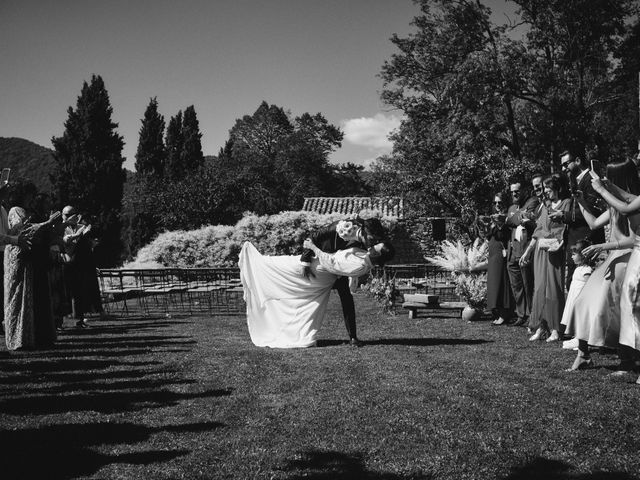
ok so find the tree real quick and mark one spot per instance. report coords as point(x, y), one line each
point(174, 143)
point(151, 154)
point(191, 156)
point(481, 107)
point(89, 171)
point(280, 160)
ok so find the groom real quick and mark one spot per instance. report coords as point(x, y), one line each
point(339, 236)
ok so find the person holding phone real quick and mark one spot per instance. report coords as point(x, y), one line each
point(80, 273)
point(21, 240)
point(577, 172)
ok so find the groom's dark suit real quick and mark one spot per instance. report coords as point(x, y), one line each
point(327, 240)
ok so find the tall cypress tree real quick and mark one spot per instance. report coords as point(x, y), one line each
point(174, 141)
point(192, 157)
point(151, 153)
point(89, 173)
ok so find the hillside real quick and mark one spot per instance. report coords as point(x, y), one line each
point(28, 161)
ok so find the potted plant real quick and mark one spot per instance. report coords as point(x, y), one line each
point(467, 266)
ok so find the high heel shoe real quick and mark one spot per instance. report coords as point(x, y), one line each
point(537, 336)
point(554, 337)
point(581, 363)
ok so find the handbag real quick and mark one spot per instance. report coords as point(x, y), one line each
point(550, 244)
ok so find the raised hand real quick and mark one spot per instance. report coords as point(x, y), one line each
point(308, 243)
point(24, 240)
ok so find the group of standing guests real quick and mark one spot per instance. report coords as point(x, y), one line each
point(48, 270)
point(551, 269)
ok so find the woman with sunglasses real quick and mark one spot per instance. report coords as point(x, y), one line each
point(546, 252)
point(499, 297)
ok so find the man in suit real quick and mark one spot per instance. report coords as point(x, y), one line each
point(521, 220)
point(339, 236)
point(577, 172)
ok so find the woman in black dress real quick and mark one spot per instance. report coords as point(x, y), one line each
point(499, 297)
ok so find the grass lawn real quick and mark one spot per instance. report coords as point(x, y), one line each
point(426, 398)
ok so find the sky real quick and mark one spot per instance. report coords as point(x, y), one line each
point(222, 56)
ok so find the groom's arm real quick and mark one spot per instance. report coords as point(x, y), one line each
point(320, 238)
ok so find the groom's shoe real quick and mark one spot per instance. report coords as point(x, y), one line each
point(354, 342)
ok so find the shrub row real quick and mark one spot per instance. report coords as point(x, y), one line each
point(219, 245)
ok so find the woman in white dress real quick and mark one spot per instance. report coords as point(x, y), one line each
point(627, 203)
point(285, 309)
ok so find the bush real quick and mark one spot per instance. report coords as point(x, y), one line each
point(219, 246)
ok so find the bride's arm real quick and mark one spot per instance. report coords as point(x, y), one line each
point(349, 266)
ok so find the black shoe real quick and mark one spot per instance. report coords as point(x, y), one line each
point(521, 322)
point(354, 342)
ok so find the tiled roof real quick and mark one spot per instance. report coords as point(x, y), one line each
point(388, 206)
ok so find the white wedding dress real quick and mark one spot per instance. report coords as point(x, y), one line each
point(285, 309)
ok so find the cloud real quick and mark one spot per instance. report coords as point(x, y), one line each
point(371, 132)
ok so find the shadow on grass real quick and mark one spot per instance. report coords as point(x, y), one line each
point(122, 341)
point(103, 402)
point(63, 451)
point(142, 384)
point(420, 342)
point(18, 364)
point(542, 468)
point(84, 377)
point(329, 465)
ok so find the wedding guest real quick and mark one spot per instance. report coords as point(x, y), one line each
point(577, 174)
point(546, 251)
point(80, 273)
point(499, 297)
point(584, 268)
point(21, 240)
point(59, 257)
point(521, 221)
point(595, 318)
point(538, 190)
point(627, 203)
point(28, 317)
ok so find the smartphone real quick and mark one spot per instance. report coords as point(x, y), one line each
point(4, 176)
point(596, 169)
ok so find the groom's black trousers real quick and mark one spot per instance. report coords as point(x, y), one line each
point(348, 307)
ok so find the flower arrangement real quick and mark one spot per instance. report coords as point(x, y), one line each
point(455, 257)
point(473, 288)
point(466, 265)
point(383, 291)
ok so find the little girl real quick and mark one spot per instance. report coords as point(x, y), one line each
point(584, 267)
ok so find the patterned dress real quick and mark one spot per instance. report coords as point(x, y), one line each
point(28, 320)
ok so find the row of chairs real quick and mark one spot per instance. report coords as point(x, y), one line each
point(168, 291)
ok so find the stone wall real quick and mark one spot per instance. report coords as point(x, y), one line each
point(413, 238)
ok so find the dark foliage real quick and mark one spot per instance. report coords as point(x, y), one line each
point(89, 171)
point(151, 154)
point(482, 106)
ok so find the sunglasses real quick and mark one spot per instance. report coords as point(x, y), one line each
point(537, 188)
point(565, 164)
point(498, 203)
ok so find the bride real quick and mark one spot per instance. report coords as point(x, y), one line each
point(285, 309)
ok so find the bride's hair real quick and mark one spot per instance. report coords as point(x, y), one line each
point(387, 253)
